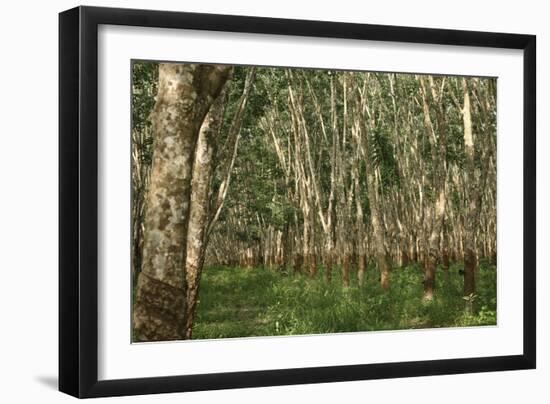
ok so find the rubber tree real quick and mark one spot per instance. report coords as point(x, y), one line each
point(185, 94)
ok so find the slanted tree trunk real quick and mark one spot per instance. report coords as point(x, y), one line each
point(201, 219)
point(203, 171)
point(185, 93)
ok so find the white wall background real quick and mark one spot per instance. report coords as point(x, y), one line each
point(28, 200)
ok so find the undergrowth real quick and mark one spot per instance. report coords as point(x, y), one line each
point(242, 302)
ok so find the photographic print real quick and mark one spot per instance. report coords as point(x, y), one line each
point(275, 201)
point(248, 201)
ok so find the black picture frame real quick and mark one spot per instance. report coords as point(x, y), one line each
point(78, 201)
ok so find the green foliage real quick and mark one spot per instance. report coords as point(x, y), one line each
point(383, 156)
point(237, 302)
point(241, 302)
point(144, 90)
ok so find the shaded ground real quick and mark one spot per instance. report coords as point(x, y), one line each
point(241, 302)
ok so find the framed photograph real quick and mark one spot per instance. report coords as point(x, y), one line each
point(251, 201)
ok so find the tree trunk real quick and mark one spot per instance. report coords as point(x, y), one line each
point(378, 232)
point(313, 265)
point(345, 270)
point(469, 241)
point(362, 138)
point(361, 269)
point(469, 271)
point(203, 171)
point(445, 262)
point(328, 263)
point(438, 151)
point(185, 93)
point(298, 262)
point(201, 219)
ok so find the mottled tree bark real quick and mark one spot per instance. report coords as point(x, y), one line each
point(185, 93)
point(203, 170)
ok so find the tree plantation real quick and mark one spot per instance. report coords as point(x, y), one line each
point(277, 201)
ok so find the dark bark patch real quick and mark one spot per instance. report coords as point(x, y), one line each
point(159, 311)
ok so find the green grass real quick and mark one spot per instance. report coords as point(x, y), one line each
point(243, 302)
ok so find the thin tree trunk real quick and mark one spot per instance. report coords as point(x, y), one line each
point(230, 149)
point(313, 265)
point(469, 241)
point(361, 134)
point(203, 171)
point(380, 249)
point(345, 270)
point(361, 269)
point(201, 219)
point(437, 216)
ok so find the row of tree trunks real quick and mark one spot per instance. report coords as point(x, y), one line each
point(374, 168)
point(414, 222)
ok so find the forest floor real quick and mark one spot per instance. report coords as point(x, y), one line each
point(244, 302)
